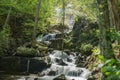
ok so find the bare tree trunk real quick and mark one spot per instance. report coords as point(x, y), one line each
point(8, 16)
point(63, 24)
point(36, 23)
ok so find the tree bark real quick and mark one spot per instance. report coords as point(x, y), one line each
point(111, 16)
point(8, 17)
point(116, 14)
point(102, 27)
point(63, 24)
point(116, 20)
point(36, 23)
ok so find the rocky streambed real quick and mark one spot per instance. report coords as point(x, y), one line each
point(58, 65)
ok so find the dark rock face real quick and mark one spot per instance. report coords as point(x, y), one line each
point(80, 61)
point(61, 62)
point(52, 73)
point(38, 65)
point(69, 60)
point(84, 31)
point(18, 64)
point(61, 77)
point(36, 79)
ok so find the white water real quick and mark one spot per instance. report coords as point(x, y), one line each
point(70, 71)
point(28, 65)
point(46, 39)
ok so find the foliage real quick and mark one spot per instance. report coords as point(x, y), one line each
point(110, 67)
point(4, 41)
point(86, 48)
point(111, 70)
point(84, 31)
point(24, 51)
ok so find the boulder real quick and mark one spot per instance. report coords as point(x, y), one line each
point(21, 64)
point(61, 62)
point(52, 73)
point(69, 60)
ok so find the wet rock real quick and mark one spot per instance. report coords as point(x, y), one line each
point(52, 73)
point(61, 62)
point(69, 60)
point(61, 77)
point(73, 53)
point(80, 61)
point(67, 51)
point(38, 65)
point(36, 79)
point(20, 64)
point(41, 74)
point(58, 60)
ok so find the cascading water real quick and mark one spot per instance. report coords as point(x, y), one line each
point(61, 63)
point(46, 39)
point(28, 65)
point(70, 70)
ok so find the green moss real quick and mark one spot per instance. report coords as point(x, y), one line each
point(24, 51)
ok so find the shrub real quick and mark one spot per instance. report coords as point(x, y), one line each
point(4, 41)
point(24, 51)
point(86, 48)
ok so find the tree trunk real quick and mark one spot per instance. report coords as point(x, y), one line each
point(116, 20)
point(111, 16)
point(8, 16)
point(116, 14)
point(63, 24)
point(103, 26)
point(36, 23)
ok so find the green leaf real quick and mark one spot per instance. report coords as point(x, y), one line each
point(101, 57)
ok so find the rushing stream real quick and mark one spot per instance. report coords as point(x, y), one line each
point(69, 69)
point(61, 63)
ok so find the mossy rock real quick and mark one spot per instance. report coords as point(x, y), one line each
point(24, 51)
point(29, 50)
point(41, 47)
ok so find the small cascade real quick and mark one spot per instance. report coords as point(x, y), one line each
point(28, 65)
point(70, 70)
point(49, 37)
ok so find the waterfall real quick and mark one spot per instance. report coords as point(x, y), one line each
point(70, 70)
point(28, 65)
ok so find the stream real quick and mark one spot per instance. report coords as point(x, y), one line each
point(61, 63)
point(68, 67)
